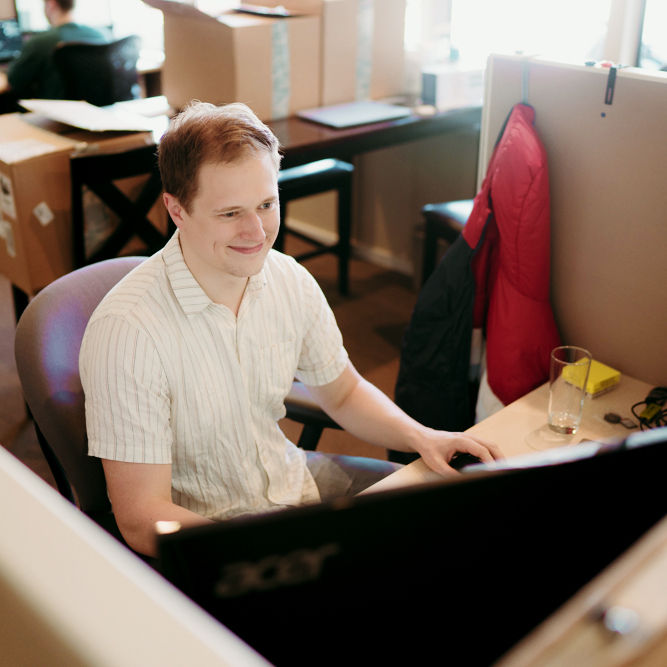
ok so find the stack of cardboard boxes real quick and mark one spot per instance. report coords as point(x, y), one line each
point(322, 52)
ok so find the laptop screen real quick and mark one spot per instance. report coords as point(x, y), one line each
point(460, 569)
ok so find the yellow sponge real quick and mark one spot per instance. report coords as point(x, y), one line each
point(601, 378)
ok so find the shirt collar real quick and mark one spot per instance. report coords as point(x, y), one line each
point(187, 290)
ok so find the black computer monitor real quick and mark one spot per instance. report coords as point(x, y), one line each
point(447, 573)
point(11, 39)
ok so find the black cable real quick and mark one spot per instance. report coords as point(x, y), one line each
point(653, 412)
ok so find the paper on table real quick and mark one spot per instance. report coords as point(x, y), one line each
point(88, 116)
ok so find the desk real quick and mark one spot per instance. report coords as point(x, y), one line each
point(304, 141)
point(520, 428)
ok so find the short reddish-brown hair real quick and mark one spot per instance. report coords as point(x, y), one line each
point(206, 133)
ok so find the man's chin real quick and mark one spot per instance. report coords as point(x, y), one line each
point(250, 265)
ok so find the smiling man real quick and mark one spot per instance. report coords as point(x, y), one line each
point(187, 361)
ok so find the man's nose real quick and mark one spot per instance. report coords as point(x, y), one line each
point(253, 226)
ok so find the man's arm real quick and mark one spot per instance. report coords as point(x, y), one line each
point(367, 413)
point(140, 495)
point(4, 83)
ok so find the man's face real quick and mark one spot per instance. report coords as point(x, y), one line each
point(233, 219)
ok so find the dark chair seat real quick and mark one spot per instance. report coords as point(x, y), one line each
point(100, 74)
point(445, 221)
point(314, 178)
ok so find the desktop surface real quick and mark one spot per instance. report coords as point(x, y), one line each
point(462, 569)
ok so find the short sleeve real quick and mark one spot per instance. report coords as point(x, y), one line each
point(126, 394)
point(323, 356)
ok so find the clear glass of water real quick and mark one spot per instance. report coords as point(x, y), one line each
point(569, 369)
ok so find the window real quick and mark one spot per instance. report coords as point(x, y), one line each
point(653, 42)
point(568, 30)
point(124, 17)
point(135, 17)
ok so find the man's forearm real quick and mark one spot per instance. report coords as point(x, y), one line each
point(140, 495)
point(367, 413)
point(140, 531)
point(370, 415)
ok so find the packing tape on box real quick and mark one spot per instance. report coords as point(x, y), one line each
point(7, 233)
point(280, 70)
point(365, 23)
point(7, 203)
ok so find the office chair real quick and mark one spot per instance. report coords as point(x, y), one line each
point(48, 339)
point(100, 74)
point(101, 174)
point(310, 179)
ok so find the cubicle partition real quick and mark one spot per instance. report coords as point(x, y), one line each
point(604, 132)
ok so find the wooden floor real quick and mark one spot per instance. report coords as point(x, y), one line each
point(372, 318)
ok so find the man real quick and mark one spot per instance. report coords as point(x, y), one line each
point(186, 363)
point(33, 74)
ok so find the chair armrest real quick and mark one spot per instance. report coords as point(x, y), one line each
point(301, 407)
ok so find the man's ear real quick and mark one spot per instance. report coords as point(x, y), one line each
point(174, 209)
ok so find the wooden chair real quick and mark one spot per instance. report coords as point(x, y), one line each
point(313, 178)
point(442, 220)
point(100, 173)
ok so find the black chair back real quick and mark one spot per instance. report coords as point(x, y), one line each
point(100, 74)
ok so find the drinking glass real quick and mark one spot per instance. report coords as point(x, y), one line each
point(568, 377)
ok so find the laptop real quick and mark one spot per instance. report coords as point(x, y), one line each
point(352, 114)
point(454, 572)
point(11, 39)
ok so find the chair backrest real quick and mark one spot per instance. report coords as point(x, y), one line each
point(48, 338)
point(101, 173)
point(100, 74)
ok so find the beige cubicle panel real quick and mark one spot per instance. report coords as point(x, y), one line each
point(608, 176)
point(72, 595)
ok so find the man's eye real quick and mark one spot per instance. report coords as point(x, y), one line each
point(230, 214)
point(267, 205)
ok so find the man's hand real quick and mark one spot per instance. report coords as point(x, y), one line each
point(438, 447)
point(363, 410)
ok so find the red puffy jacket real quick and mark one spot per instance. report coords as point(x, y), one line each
point(512, 266)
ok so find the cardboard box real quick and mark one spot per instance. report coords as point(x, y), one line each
point(271, 64)
point(452, 86)
point(362, 47)
point(35, 204)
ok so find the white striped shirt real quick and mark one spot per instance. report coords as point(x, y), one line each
point(171, 377)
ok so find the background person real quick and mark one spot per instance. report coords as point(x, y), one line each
point(33, 74)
